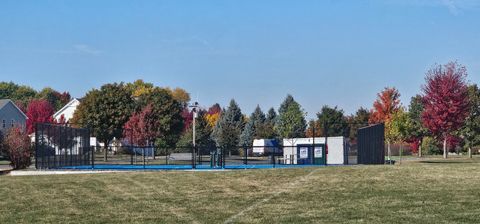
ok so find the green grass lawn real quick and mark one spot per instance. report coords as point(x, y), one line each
point(434, 191)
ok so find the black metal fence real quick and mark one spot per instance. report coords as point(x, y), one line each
point(60, 146)
point(211, 157)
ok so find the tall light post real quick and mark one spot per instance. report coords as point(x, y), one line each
point(194, 107)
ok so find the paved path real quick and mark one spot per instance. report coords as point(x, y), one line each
point(53, 172)
point(5, 167)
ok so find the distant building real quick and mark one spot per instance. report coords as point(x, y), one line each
point(308, 150)
point(265, 146)
point(11, 115)
point(67, 111)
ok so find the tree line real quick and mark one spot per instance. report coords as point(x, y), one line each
point(444, 115)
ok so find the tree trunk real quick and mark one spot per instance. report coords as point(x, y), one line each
point(445, 154)
point(388, 152)
point(401, 152)
point(470, 152)
point(420, 149)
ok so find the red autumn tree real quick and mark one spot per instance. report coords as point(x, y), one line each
point(62, 120)
point(17, 147)
point(187, 116)
point(386, 104)
point(445, 100)
point(141, 128)
point(38, 111)
point(214, 109)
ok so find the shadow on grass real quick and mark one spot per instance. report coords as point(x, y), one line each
point(448, 161)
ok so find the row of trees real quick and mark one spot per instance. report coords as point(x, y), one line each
point(447, 111)
point(23, 95)
point(39, 106)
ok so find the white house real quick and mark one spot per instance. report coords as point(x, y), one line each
point(298, 148)
point(67, 111)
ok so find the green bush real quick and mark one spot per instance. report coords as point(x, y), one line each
point(430, 146)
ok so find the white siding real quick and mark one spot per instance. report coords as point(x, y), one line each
point(68, 110)
point(336, 149)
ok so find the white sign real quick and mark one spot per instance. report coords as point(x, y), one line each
point(303, 153)
point(318, 152)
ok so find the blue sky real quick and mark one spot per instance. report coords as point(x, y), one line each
point(332, 52)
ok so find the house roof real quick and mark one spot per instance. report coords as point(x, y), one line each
point(4, 102)
point(66, 106)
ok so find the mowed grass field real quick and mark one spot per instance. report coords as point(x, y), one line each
point(433, 191)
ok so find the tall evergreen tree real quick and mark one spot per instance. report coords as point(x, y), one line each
point(291, 121)
point(358, 120)
point(335, 121)
point(268, 129)
point(228, 129)
point(254, 127)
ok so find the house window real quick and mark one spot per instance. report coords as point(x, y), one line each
point(3, 124)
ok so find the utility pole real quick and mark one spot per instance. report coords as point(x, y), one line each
point(194, 107)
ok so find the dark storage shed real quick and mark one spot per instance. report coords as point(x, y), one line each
point(371, 144)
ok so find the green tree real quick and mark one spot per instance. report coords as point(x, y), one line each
point(267, 130)
point(105, 111)
point(17, 93)
point(203, 133)
point(166, 114)
point(180, 95)
point(356, 121)
point(254, 127)
point(334, 119)
point(396, 128)
point(471, 130)
point(291, 119)
point(139, 88)
point(55, 98)
point(228, 129)
point(416, 131)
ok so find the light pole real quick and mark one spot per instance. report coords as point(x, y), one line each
point(194, 107)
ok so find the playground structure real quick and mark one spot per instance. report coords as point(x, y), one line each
point(64, 147)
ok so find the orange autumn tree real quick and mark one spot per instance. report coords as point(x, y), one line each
point(213, 115)
point(385, 106)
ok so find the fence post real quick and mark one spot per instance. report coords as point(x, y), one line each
point(36, 145)
point(143, 152)
point(223, 157)
point(166, 156)
point(246, 155)
point(326, 142)
point(193, 157)
point(92, 152)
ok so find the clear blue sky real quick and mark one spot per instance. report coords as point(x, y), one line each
point(322, 52)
